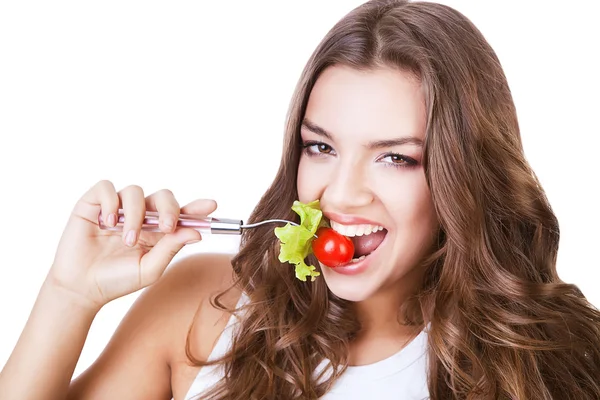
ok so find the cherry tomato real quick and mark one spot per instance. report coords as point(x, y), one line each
point(331, 248)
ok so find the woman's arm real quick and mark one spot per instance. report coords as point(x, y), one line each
point(92, 267)
point(47, 351)
point(136, 362)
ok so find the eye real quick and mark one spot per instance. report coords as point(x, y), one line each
point(398, 160)
point(316, 148)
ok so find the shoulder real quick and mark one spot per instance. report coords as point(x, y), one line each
point(167, 311)
point(192, 278)
point(181, 300)
point(190, 322)
point(152, 336)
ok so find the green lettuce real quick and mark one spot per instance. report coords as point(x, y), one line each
point(296, 240)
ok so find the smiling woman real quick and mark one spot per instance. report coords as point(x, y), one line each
point(403, 119)
point(403, 132)
point(363, 134)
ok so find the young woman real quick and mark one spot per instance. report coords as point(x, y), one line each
point(404, 128)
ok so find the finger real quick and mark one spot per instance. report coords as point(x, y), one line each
point(201, 207)
point(164, 202)
point(103, 194)
point(153, 263)
point(134, 210)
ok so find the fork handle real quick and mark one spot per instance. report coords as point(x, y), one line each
point(204, 225)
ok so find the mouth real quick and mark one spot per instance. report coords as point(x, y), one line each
point(366, 238)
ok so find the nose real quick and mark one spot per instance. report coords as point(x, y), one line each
point(348, 189)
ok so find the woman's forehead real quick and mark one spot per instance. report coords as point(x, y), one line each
point(381, 103)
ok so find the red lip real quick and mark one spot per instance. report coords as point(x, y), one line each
point(349, 219)
point(358, 267)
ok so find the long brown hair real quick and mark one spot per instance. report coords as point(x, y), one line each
point(501, 322)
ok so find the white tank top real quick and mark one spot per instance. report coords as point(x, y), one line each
point(400, 376)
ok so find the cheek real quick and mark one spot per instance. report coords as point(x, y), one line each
point(410, 203)
point(306, 183)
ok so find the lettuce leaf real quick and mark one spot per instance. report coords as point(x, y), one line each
point(296, 240)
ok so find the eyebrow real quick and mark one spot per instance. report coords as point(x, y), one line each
point(377, 144)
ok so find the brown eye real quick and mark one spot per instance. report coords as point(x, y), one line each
point(398, 160)
point(317, 148)
point(323, 148)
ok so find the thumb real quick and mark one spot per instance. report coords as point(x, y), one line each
point(200, 207)
point(154, 262)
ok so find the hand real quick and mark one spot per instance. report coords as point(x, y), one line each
point(100, 265)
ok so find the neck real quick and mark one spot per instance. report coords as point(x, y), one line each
point(382, 331)
point(380, 314)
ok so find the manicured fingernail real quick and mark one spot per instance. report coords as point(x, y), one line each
point(111, 220)
point(130, 238)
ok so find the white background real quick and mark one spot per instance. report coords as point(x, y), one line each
point(192, 96)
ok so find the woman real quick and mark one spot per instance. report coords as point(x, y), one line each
point(402, 121)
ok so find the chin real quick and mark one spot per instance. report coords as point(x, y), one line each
point(357, 281)
point(350, 288)
point(372, 278)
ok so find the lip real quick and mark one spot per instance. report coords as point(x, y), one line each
point(346, 219)
point(360, 266)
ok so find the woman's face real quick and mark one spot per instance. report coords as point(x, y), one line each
point(363, 134)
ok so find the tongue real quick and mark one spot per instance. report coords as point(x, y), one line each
point(366, 244)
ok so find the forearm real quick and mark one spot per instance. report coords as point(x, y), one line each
point(41, 365)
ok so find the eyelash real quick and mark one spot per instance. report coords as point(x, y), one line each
point(408, 162)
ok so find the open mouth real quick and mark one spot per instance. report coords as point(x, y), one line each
point(366, 238)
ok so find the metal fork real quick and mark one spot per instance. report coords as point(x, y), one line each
point(203, 225)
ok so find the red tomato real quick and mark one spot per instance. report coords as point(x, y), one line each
point(331, 248)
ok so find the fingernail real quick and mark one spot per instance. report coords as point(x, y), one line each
point(111, 220)
point(130, 238)
point(192, 241)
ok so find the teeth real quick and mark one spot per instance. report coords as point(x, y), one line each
point(355, 230)
point(351, 230)
point(361, 230)
point(357, 259)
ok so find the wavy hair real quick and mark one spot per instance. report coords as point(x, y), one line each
point(502, 323)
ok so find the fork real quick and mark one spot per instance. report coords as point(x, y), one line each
point(203, 225)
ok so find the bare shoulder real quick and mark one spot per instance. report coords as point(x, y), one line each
point(199, 324)
point(183, 297)
point(149, 346)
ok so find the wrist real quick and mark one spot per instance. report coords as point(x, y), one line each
point(55, 290)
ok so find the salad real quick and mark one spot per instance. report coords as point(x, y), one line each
point(312, 236)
